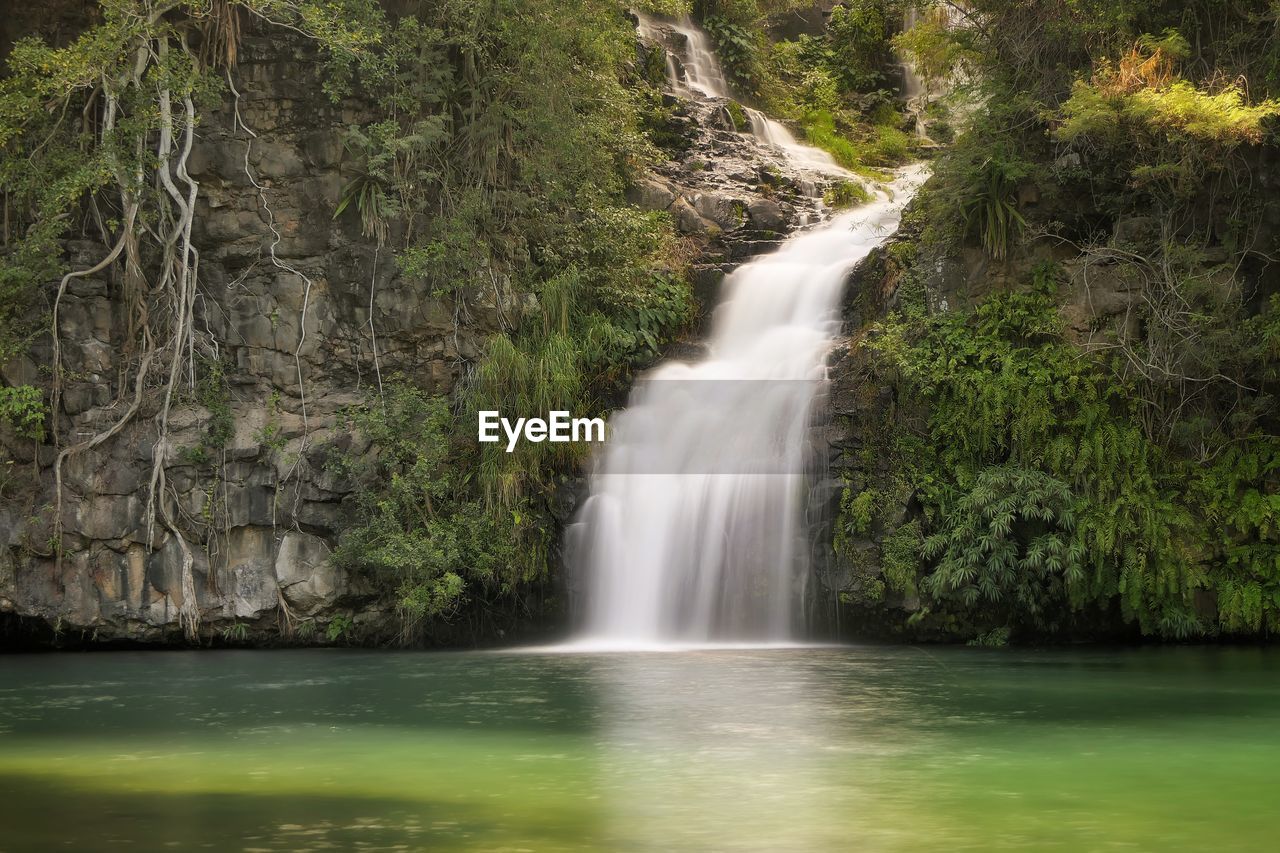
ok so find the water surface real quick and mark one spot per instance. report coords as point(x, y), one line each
point(785, 749)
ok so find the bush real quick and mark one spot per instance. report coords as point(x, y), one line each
point(1008, 546)
point(418, 529)
point(22, 409)
point(1042, 489)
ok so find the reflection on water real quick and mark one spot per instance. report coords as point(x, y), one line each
point(749, 764)
point(785, 749)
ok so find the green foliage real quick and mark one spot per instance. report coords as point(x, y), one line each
point(828, 85)
point(738, 114)
point(338, 629)
point(858, 37)
point(857, 148)
point(613, 308)
point(973, 197)
point(1040, 484)
point(236, 632)
point(22, 409)
point(900, 557)
point(1221, 118)
point(846, 194)
point(52, 158)
point(510, 189)
point(936, 53)
point(994, 639)
point(1006, 545)
point(79, 126)
point(667, 8)
point(990, 207)
point(368, 192)
point(418, 530)
point(271, 436)
point(738, 49)
point(1150, 460)
point(857, 510)
point(1162, 132)
point(212, 393)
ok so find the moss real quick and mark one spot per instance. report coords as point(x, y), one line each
point(738, 114)
point(846, 194)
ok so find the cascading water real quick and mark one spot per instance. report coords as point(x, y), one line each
point(776, 133)
point(702, 72)
point(913, 87)
point(693, 532)
point(703, 77)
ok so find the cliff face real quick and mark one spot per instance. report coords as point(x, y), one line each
point(307, 315)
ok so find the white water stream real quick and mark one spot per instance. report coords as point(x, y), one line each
point(703, 77)
point(693, 532)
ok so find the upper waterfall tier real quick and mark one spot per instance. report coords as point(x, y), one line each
point(693, 71)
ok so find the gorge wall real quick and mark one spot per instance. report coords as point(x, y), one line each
point(294, 300)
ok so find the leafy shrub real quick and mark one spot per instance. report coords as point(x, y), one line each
point(22, 409)
point(1007, 543)
point(858, 32)
point(418, 531)
point(900, 557)
point(1025, 438)
point(990, 207)
point(1156, 129)
point(738, 49)
point(846, 194)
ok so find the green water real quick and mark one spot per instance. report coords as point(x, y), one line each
point(818, 749)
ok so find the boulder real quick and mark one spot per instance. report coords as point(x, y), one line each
point(651, 194)
point(767, 215)
point(725, 211)
point(305, 573)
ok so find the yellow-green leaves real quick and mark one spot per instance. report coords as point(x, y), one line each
point(1222, 118)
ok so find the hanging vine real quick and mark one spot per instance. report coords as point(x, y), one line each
point(95, 142)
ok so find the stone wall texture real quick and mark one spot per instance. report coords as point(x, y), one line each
point(304, 315)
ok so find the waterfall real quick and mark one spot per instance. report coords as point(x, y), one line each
point(913, 87)
point(776, 134)
point(693, 532)
point(914, 90)
point(702, 74)
point(699, 75)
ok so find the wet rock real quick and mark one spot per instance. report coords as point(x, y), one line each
point(688, 221)
point(744, 249)
point(1136, 231)
point(277, 160)
point(767, 215)
point(251, 563)
point(104, 517)
point(706, 284)
point(725, 211)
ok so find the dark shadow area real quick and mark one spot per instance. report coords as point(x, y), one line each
point(40, 815)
